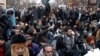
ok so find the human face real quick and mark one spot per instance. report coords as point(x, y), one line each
point(92, 42)
point(17, 31)
point(19, 48)
point(48, 51)
point(69, 32)
point(2, 42)
point(28, 42)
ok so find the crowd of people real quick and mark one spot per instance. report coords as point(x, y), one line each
point(42, 31)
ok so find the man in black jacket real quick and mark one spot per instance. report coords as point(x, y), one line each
point(4, 24)
point(70, 42)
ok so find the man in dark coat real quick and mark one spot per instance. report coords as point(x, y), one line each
point(5, 25)
point(70, 47)
point(47, 9)
point(85, 16)
point(73, 15)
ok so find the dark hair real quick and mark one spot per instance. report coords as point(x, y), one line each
point(59, 43)
point(4, 21)
point(3, 16)
point(28, 37)
point(29, 8)
point(42, 37)
point(1, 37)
point(66, 28)
point(10, 12)
point(47, 45)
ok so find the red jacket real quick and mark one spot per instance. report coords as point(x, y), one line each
point(1, 51)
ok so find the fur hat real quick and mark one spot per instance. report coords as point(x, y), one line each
point(18, 39)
